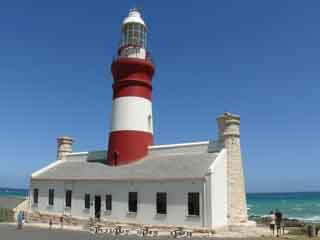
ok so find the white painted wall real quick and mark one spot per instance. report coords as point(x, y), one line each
point(177, 208)
point(131, 113)
point(43, 202)
point(217, 191)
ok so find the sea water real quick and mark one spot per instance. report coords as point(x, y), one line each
point(303, 205)
point(299, 205)
point(13, 192)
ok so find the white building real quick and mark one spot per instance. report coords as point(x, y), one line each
point(198, 184)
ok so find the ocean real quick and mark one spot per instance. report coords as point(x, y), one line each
point(13, 192)
point(303, 205)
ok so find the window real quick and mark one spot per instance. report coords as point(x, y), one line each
point(87, 201)
point(133, 202)
point(35, 195)
point(51, 197)
point(108, 202)
point(134, 34)
point(68, 198)
point(194, 203)
point(162, 203)
point(149, 123)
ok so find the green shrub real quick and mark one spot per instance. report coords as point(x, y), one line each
point(6, 215)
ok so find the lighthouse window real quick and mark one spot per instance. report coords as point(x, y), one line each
point(133, 202)
point(51, 197)
point(149, 122)
point(134, 34)
point(193, 204)
point(162, 203)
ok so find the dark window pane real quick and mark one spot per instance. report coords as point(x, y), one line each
point(161, 202)
point(133, 202)
point(87, 201)
point(35, 195)
point(68, 198)
point(51, 197)
point(194, 203)
point(109, 202)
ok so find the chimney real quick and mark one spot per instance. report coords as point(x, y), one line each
point(229, 136)
point(64, 147)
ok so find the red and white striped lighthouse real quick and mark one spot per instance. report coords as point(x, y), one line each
point(131, 124)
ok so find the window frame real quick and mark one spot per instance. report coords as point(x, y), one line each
point(35, 196)
point(193, 208)
point(68, 197)
point(51, 197)
point(108, 202)
point(131, 201)
point(161, 207)
point(87, 199)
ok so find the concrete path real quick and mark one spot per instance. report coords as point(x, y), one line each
point(42, 232)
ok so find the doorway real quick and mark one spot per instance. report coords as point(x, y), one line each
point(97, 206)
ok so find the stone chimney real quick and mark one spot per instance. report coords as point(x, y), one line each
point(64, 146)
point(229, 136)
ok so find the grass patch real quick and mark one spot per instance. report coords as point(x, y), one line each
point(6, 215)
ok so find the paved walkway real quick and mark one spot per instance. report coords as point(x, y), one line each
point(42, 232)
point(9, 231)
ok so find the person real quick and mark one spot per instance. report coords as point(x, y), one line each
point(278, 215)
point(61, 221)
point(272, 222)
point(50, 224)
point(19, 218)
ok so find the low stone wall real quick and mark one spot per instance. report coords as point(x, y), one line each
point(37, 217)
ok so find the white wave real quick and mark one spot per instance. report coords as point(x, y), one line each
point(307, 219)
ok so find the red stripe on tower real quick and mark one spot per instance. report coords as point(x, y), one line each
point(131, 124)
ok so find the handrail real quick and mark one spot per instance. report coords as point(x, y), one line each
point(148, 56)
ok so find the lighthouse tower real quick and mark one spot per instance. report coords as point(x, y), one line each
point(131, 124)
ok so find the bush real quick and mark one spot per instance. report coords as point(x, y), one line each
point(6, 215)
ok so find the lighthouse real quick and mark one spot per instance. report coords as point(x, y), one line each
point(193, 184)
point(131, 124)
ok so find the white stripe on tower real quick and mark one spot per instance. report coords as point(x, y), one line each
point(131, 113)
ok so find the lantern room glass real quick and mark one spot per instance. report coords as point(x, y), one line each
point(134, 34)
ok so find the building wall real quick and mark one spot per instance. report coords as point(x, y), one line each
point(43, 203)
point(218, 182)
point(177, 205)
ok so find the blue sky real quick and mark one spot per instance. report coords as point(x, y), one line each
point(259, 59)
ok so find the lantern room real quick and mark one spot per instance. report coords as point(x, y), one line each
point(133, 36)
